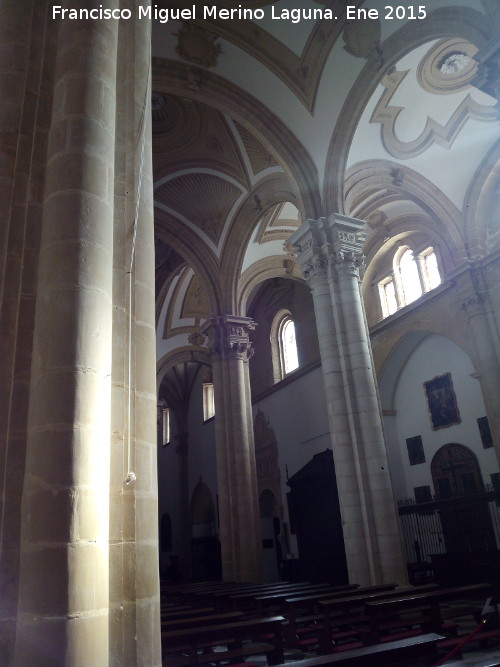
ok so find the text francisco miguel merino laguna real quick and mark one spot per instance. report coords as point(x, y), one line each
point(165, 14)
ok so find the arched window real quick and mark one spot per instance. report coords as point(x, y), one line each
point(283, 345)
point(288, 345)
point(208, 395)
point(163, 424)
point(411, 287)
point(412, 276)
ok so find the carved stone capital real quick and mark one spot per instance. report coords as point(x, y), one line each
point(197, 339)
point(348, 241)
point(348, 262)
point(473, 305)
point(315, 271)
point(229, 335)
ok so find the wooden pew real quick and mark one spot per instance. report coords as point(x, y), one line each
point(278, 597)
point(425, 608)
point(412, 652)
point(299, 604)
point(182, 647)
point(186, 613)
point(246, 598)
point(203, 619)
point(215, 596)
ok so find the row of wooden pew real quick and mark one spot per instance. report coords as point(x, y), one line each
point(209, 623)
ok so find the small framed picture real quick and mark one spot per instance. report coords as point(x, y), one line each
point(415, 450)
point(442, 402)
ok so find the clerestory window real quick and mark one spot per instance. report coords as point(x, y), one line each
point(288, 346)
point(411, 277)
point(283, 345)
point(208, 395)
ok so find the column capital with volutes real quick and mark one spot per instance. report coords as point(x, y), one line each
point(229, 335)
point(336, 241)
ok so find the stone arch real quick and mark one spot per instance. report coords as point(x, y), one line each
point(394, 364)
point(455, 470)
point(180, 355)
point(265, 269)
point(481, 207)
point(394, 181)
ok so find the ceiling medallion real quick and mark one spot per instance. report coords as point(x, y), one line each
point(448, 67)
point(454, 63)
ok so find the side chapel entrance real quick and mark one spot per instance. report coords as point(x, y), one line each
point(465, 520)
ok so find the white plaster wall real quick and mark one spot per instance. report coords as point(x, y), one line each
point(201, 437)
point(297, 414)
point(434, 356)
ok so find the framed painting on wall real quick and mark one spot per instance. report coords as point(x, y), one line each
point(441, 402)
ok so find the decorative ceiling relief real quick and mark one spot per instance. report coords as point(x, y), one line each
point(362, 39)
point(205, 200)
point(195, 302)
point(277, 223)
point(187, 304)
point(176, 122)
point(258, 156)
point(448, 67)
point(301, 74)
point(444, 135)
point(197, 45)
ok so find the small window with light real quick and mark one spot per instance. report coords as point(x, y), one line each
point(283, 345)
point(163, 424)
point(208, 395)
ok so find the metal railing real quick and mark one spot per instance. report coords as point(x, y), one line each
point(467, 523)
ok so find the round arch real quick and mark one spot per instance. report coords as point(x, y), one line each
point(451, 21)
point(480, 204)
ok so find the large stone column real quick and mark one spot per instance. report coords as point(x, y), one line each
point(330, 254)
point(236, 470)
point(133, 563)
point(63, 601)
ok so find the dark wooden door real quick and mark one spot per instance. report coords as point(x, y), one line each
point(465, 520)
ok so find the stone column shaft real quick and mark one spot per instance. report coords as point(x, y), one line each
point(134, 567)
point(63, 603)
point(347, 466)
point(236, 468)
point(367, 423)
point(330, 254)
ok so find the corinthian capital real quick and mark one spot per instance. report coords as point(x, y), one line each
point(348, 239)
point(350, 262)
point(229, 335)
point(315, 270)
